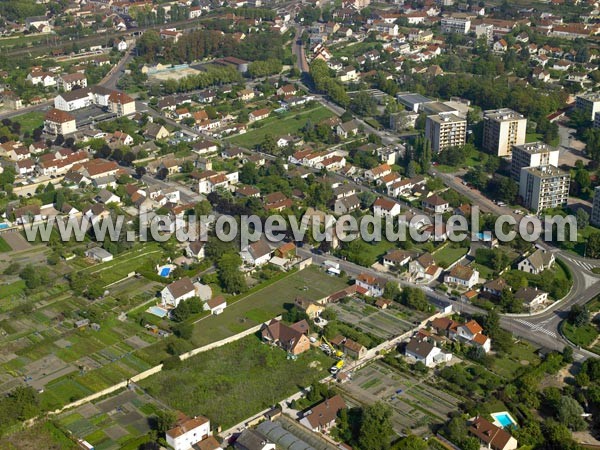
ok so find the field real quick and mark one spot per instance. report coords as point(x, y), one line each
point(30, 121)
point(233, 382)
point(42, 435)
point(118, 422)
point(521, 354)
point(415, 403)
point(280, 126)
point(583, 336)
point(381, 323)
point(266, 303)
point(4, 247)
point(449, 254)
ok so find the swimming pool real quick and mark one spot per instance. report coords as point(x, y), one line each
point(165, 271)
point(3, 226)
point(158, 311)
point(504, 419)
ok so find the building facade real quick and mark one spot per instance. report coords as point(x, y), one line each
point(445, 130)
point(503, 128)
point(544, 187)
point(532, 154)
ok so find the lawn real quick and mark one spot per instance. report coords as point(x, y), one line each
point(233, 382)
point(30, 121)
point(583, 335)
point(265, 304)
point(4, 247)
point(521, 354)
point(281, 125)
point(449, 254)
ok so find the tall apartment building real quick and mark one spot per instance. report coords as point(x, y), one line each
point(597, 121)
point(595, 218)
point(456, 25)
point(532, 154)
point(589, 103)
point(486, 31)
point(503, 128)
point(445, 130)
point(544, 187)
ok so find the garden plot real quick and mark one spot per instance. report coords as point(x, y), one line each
point(414, 402)
point(382, 323)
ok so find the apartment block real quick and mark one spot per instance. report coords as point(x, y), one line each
point(595, 218)
point(445, 130)
point(503, 128)
point(532, 154)
point(589, 103)
point(456, 25)
point(544, 187)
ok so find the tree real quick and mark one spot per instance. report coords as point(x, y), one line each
point(231, 279)
point(165, 420)
point(583, 218)
point(578, 316)
point(411, 442)
point(592, 247)
point(376, 428)
point(569, 413)
point(183, 330)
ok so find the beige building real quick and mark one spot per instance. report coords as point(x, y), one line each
point(445, 130)
point(532, 154)
point(544, 187)
point(59, 122)
point(503, 128)
point(121, 104)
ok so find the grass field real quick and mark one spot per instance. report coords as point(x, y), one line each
point(4, 247)
point(583, 335)
point(30, 121)
point(520, 355)
point(280, 126)
point(265, 304)
point(449, 254)
point(231, 383)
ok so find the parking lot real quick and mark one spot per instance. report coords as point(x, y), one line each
point(415, 403)
point(381, 323)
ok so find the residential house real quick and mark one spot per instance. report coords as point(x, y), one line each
point(156, 132)
point(378, 172)
point(345, 205)
point(321, 418)
point(216, 305)
point(286, 250)
point(421, 350)
point(532, 297)
point(537, 262)
point(291, 338)
point(463, 276)
point(250, 439)
point(347, 129)
point(397, 258)
point(493, 289)
point(195, 249)
point(435, 204)
point(471, 332)
point(384, 207)
point(178, 291)
point(121, 104)
point(257, 254)
point(70, 81)
point(188, 432)
point(59, 122)
point(259, 114)
point(373, 286)
point(311, 308)
point(98, 254)
point(424, 268)
point(491, 436)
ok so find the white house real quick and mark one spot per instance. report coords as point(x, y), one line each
point(177, 291)
point(216, 305)
point(471, 332)
point(384, 207)
point(373, 286)
point(188, 432)
point(537, 262)
point(427, 353)
point(462, 276)
point(98, 254)
point(257, 254)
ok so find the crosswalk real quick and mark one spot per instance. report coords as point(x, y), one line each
point(536, 327)
point(585, 265)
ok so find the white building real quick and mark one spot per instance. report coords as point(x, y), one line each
point(188, 432)
point(178, 291)
point(463, 276)
point(445, 130)
point(544, 187)
point(532, 154)
point(455, 25)
point(503, 128)
point(589, 103)
point(595, 218)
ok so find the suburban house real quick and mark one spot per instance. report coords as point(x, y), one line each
point(188, 432)
point(471, 332)
point(349, 347)
point(177, 291)
point(424, 268)
point(257, 254)
point(491, 436)
point(532, 297)
point(321, 418)
point(68, 82)
point(463, 276)
point(291, 338)
point(493, 289)
point(378, 172)
point(286, 250)
point(384, 207)
point(421, 350)
point(537, 262)
point(216, 305)
point(396, 258)
point(373, 286)
point(435, 204)
point(259, 114)
point(347, 129)
point(345, 205)
point(195, 249)
point(311, 308)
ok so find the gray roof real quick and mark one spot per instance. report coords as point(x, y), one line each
point(420, 348)
point(250, 440)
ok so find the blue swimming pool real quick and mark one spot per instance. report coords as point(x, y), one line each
point(165, 271)
point(504, 419)
point(3, 226)
point(158, 311)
